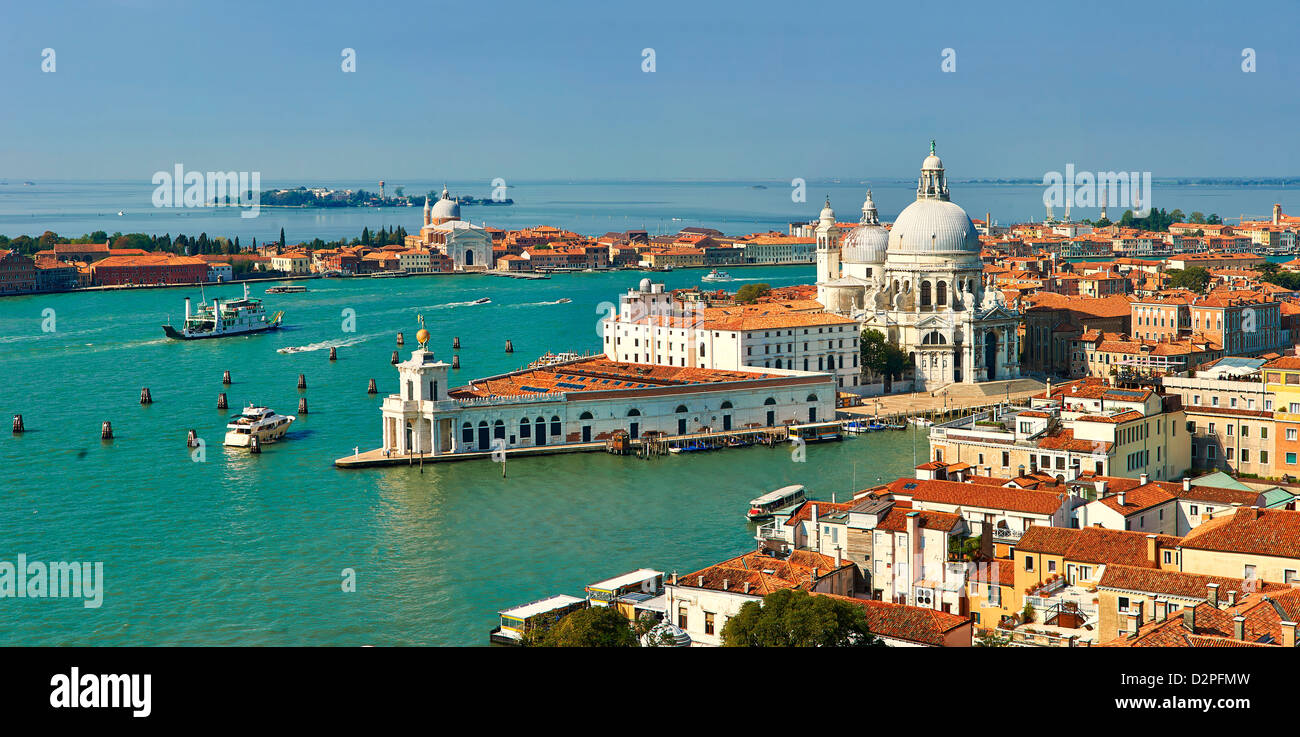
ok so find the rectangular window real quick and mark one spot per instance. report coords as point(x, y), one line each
point(708, 623)
point(681, 616)
point(1029, 563)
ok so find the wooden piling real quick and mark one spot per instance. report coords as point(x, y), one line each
point(145, 396)
point(455, 361)
point(372, 389)
point(302, 405)
point(254, 445)
point(106, 432)
point(221, 400)
point(455, 343)
point(18, 425)
point(192, 440)
point(334, 353)
point(302, 381)
point(395, 358)
point(401, 339)
point(510, 348)
point(225, 378)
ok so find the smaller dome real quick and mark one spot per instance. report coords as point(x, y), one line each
point(827, 213)
point(866, 244)
point(932, 162)
point(666, 634)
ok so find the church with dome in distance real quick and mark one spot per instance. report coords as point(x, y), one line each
point(921, 283)
point(469, 246)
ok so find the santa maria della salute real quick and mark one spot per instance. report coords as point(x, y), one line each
point(920, 283)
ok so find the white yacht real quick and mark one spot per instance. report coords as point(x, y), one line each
point(261, 422)
point(716, 275)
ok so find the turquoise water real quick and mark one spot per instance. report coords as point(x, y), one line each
point(249, 550)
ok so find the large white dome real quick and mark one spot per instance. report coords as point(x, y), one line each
point(445, 208)
point(933, 226)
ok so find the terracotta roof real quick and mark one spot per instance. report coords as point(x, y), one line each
point(903, 622)
point(1178, 583)
point(977, 495)
point(599, 374)
point(764, 574)
point(1250, 531)
point(1138, 499)
point(1092, 544)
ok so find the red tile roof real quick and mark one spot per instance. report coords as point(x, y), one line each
point(1092, 544)
point(1251, 531)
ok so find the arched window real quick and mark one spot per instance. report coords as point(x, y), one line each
point(585, 416)
point(525, 429)
point(499, 429)
point(941, 294)
point(701, 350)
point(681, 408)
point(555, 425)
point(925, 294)
point(466, 433)
point(778, 363)
point(634, 412)
point(934, 337)
point(769, 401)
point(726, 405)
point(811, 398)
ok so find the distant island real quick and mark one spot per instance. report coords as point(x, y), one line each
point(323, 197)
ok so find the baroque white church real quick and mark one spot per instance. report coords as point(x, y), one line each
point(921, 283)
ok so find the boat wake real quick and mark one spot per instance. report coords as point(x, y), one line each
point(325, 345)
point(470, 303)
point(561, 301)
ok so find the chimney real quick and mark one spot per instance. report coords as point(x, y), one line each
point(816, 572)
point(1212, 594)
point(838, 561)
point(1140, 607)
point(1232, 598)
point(1122, 497)
point(1101, 487)
point(701, 581)
point(1187, 483)
point(1144, 479)
point(725, 582)
point(1133, 622)
point(746, 587)
point(1161, 610)
point(1151, 550)
point(1189, 618)
point(1288, 634)
point(1255, 513)
point(1239, 627)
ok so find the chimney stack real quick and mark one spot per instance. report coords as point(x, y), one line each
point(1162, 610)
point(725, 583)
point(1187, 483)
point(1232, 597)
point(1151, 550)
point(1123, 497)
point(1212, 594)
point(1189, 618)
point(1133, 623)
point(1101, 487)
point(1144, 479)
point(1288, 634)
point(1239, 627)
point(701, 581)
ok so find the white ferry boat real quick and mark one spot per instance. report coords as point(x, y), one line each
point(222, 319)
point(716, 275)
point(286, 289)
point(764, 506)
point(259, 422)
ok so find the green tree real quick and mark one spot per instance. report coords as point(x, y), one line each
point(752, 292)
point(795, 618)
point(881, 357)
point(1196, 278)
point(597, 626)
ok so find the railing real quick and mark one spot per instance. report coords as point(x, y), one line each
point(770, 531)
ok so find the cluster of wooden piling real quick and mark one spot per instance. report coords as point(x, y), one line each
point(145, 396)
point(18, 425)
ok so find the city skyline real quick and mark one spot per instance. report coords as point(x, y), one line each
point(531, 94)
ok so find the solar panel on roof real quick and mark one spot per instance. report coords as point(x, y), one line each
point(532, 389)
point(569, 385)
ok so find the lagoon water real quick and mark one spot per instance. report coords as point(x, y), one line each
point(73, 208)
point(249, 550)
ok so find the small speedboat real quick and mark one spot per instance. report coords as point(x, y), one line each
point(716, 275)
point(563, 301)
point(920, 421)
point(481, 301)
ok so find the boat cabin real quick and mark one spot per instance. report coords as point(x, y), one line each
point(764, 506)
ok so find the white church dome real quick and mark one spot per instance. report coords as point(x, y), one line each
point(446, 208)
point(933, 226)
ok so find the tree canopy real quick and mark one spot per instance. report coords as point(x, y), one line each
point(795, 618)
point(751, 292)
point(1196, 278)
point(597, 626)
point(880, 356)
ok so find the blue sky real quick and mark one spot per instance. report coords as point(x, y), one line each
point(488, 88)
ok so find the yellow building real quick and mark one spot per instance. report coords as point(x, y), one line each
point(1282, 381)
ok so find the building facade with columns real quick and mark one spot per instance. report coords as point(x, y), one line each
point(921, 283)
point(469, 246)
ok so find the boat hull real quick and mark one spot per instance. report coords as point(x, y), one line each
point(268, 435)
point(178, 335)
